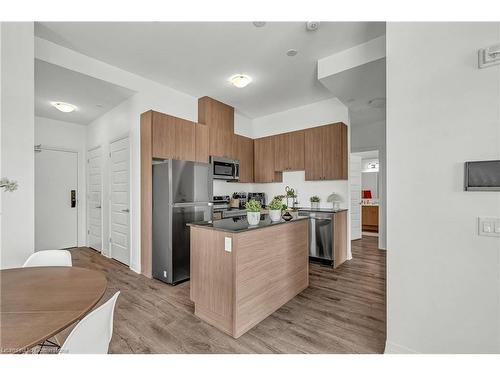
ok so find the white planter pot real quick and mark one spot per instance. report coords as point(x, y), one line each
point(275, 215)
point(253, 218)
point(315, 205)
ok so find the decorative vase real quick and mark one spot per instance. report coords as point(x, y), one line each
point(314, 205)
point(275, 215)
point(287, 216)
point(253, 218)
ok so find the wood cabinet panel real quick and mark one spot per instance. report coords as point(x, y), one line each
point(313, 152)
point(369, 218)
point(185, 140)
point(339, 238)
point(243, 151)
point(326, 152)
point(202, 144)
point(264, 170)
point(221, 143)
point(289, 151)
point(215, 114)
point(163, 135)
point(146, 193)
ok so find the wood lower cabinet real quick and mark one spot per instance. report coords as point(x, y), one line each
point(264, 170)
point(243, 151)
point(289, 151)
point(326, 152)
point(202, 152)
point(339, 238)
point(369, 218)
point(172, 137)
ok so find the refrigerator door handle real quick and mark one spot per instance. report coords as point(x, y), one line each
point(192, 204)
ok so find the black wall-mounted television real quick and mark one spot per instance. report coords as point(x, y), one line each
point(482, 175)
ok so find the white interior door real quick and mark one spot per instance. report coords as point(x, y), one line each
point(355, 178)
point(119, 201)
point(94, 199)
point(56, 199)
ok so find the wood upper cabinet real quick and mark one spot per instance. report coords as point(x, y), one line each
point(221, 143)
point(326, 152)
point(264, 170)
point(289, 151)
point(215, 114)
point(202, 151)
point(243, 151)
point(173, 137)
point(313, 151)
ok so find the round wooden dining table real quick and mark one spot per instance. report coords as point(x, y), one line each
point(36, 303)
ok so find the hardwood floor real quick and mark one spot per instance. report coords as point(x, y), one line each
point(342, 311)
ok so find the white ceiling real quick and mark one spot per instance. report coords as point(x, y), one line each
point(198, 57)
point(91, 96)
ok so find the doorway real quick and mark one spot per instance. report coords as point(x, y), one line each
point(94, 199)
point(56, 198)
point(119, 207)
point(365, 192)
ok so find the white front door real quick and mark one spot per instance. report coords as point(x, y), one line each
point(94, 199)
point(119, 201)
point(355, 178)
point(56, 199)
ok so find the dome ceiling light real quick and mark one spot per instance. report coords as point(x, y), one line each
point(240, 80)
point(64, 107)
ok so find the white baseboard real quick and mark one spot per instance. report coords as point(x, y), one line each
point(392, 348)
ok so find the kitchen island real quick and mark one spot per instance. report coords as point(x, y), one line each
point(241, 274)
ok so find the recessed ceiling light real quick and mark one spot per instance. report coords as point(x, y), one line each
point(64, 107)
point(259, 24)
point(291, 52)
point(240, 80)
point(377, 103)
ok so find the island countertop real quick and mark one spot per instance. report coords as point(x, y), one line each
point(240, 224)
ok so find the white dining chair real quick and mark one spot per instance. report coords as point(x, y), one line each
point(47, 258)
point(93, 333)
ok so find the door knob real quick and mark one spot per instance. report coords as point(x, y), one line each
point(97, 206)
point(126, 210)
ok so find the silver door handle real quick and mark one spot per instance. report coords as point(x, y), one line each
point(97, 206)
point(126, 210)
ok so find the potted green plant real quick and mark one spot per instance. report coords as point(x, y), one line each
point(253, 212)
point(314, 201)
point(275, 208)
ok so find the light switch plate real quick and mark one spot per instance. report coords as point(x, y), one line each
point(489, 226)
point(227, 244)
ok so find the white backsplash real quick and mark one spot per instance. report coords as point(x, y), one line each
point(296, 180)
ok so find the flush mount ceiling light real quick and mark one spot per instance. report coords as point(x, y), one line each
point(259, 24)
point(64, 107)
point(240, 80)
point(291, 52)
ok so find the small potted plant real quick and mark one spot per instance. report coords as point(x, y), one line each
point(314, 201)
point(253, 212)
point(275, 208)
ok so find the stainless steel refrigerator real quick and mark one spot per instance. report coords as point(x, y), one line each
point(182, 192)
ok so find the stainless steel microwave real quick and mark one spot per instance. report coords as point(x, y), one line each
point(225, 169)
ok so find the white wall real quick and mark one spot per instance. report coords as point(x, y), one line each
point(17, 155)
point(443, 279)
point(125, 120)
point(303, 117)
point(367, 137)
point(67, 135)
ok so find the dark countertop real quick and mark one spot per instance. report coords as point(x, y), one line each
point(327, 210)
point(238, 225)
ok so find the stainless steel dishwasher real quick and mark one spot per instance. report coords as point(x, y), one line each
point(320, 236)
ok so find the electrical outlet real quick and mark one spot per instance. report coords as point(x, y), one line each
point(489, 226)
